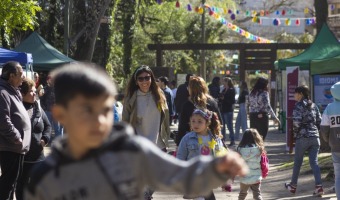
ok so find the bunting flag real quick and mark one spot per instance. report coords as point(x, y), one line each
point(234, 27)
point(262, 15)
point(258, 17)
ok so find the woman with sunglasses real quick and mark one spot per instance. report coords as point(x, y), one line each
point(145, 108)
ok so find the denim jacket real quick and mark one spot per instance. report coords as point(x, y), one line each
point(189, 147)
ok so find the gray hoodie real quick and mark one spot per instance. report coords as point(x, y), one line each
point(120, 170)
point(330, 123)
point(14, 120)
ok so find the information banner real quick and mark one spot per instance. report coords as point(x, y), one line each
point(292, 83)
point(322, 89)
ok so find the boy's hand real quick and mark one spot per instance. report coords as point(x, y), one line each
point(233, 164)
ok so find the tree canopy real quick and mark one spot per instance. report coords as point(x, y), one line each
point(18, 14)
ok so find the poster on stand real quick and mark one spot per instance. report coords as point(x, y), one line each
point(292, 83)
point(322, 89)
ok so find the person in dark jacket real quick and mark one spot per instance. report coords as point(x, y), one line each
point(199, 98)
point(259, 107)
point(214, 87)
point(228, 104)
point(182, 94)
point(40, 136)
point(163, 84)
point(15, 128)
point(241, 119)
point(47, 101)
point(306, 120)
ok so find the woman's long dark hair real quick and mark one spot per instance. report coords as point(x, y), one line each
point(229, 82)
point(243, 86)
point(304, 90)
point(260, 86)
point(216, 81)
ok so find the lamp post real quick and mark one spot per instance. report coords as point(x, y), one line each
point(203, 70)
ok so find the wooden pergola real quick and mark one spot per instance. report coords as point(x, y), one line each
point(252, 56)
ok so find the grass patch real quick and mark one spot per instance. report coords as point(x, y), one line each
point(325, 163)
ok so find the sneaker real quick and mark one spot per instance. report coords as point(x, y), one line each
point(318, 192)
point(290, 188)
point(231, 144)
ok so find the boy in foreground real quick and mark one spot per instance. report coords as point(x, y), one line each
point(96, 161)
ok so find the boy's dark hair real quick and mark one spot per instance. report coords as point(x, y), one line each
point(84, 79)
point(10, 67)
point(164, 79)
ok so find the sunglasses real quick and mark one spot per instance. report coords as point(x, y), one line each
point(143, 78)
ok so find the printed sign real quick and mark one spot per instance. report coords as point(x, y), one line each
point(322, 89)
point(292, 83)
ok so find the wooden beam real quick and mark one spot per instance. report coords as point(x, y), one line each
point(229, 46)
point(258, 53)
point(258, 67)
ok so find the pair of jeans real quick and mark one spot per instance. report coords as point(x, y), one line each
point(11, 165)
point(336, 164)
point(58, 128)
point(228, 119)
point(312, 146)
point(260, 122)
point(241, 120)
point(256, 188)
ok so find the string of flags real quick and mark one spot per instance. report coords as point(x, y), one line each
point(282, 17)
point(235, 28)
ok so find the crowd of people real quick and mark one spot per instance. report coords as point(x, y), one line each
point(118, 151)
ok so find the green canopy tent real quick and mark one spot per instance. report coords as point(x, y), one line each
point(325, 66)
point(324, 50)
point(45, 56)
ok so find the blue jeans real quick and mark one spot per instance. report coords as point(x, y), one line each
point(58, 128)
point(228, 119)
point(312, 146)
point(241, 120)
point(336, 164)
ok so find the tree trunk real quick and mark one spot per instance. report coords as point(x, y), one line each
point(4, 42)
point(321, 13)
point(94, 11)
point(128, 18)
point(52, 22)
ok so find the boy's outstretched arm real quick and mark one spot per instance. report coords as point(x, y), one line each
point(198, 176)
point(232, 164)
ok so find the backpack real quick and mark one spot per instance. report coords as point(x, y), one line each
point(264, 165)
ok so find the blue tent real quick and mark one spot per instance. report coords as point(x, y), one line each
point(22, 58)
point(25, 59)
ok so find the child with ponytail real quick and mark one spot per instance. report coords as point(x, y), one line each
point(204, 139)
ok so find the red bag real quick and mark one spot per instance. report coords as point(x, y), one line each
point(264, 165)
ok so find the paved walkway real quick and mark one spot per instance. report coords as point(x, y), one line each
point(273, 186)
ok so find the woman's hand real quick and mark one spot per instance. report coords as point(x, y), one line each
point(277, 121)
point(42, 143)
